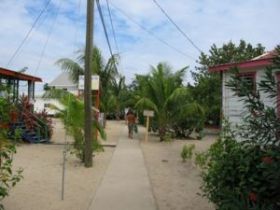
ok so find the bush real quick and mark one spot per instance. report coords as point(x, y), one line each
point(8, 178)
point(242, 176)
point(187, 152)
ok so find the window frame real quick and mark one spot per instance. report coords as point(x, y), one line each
point(248, 75)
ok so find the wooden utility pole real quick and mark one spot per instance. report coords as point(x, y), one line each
point(87, 90)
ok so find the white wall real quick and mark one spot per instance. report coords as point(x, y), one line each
point(40, 102)
point(233, 108)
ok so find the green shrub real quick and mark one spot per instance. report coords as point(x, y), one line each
point(244, 173)
point(72, 116)
point(187, 152)
point(8, 177)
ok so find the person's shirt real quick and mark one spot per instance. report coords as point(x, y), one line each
point(131, 118)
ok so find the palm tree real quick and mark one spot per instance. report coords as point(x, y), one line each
point(163, 91)
point(107, 72)
point(72, 116)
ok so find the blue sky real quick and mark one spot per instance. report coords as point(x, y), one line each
point(205, 21)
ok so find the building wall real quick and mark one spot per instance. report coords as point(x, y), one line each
point(233, 108)
point(42, 104)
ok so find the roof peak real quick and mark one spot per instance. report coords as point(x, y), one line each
point(266, 55)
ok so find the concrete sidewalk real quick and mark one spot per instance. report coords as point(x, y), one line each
point(126, 185)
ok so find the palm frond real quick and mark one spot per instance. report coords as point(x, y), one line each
point(179, 94)
point(99, 129)
point(145, 103)
point(72, 67)
point(55, 93)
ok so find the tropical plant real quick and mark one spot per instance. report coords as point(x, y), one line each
point(72, 115)
point(187, 152)
point(108, 73)
point(207, 87)
point(8, 176)
point(163, 92)
point(242, 169)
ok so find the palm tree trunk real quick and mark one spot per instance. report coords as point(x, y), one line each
point(162, 132)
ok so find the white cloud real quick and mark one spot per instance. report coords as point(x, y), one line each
point(205, 22)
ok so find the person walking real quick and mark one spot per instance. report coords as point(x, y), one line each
point(131, 120)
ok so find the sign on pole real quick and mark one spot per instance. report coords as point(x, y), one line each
point(148, 114)
point(94, 82)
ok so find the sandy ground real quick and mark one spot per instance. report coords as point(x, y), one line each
point(175, 184)
point(41, 187)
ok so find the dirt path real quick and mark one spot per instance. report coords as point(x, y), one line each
point(175, 183)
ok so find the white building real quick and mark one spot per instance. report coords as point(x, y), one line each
point(253, 71)
point(62, 81)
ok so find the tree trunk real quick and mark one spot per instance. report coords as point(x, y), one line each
point(162, 132)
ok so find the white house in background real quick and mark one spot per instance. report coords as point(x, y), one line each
point(62, 81)
point(252, 70)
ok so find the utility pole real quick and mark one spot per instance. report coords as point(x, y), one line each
point(87, 90)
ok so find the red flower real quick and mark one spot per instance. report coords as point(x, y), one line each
point(267, 160)
point(252, 196)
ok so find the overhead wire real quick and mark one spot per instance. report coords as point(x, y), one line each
point(114, 34)
point(150, 32)
point(177, 27)
point(48, 37)
point(29, 32)
point(105, 31)
point(112, 25)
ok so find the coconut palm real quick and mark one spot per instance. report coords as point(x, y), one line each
point(72, 116)
point(163, 92)
point(106, 71)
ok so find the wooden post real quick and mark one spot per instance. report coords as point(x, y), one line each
point(147, 128)
point(148, 114)
point(87, 85)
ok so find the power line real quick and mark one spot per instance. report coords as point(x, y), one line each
point(48, 37)
point(112, 26)
point(151, 33)
point(104, 26)
point(105, 30)
point(178, 28)
point(29, 32)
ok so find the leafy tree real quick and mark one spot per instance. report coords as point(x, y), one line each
point(207, 87)
point(163, 92)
